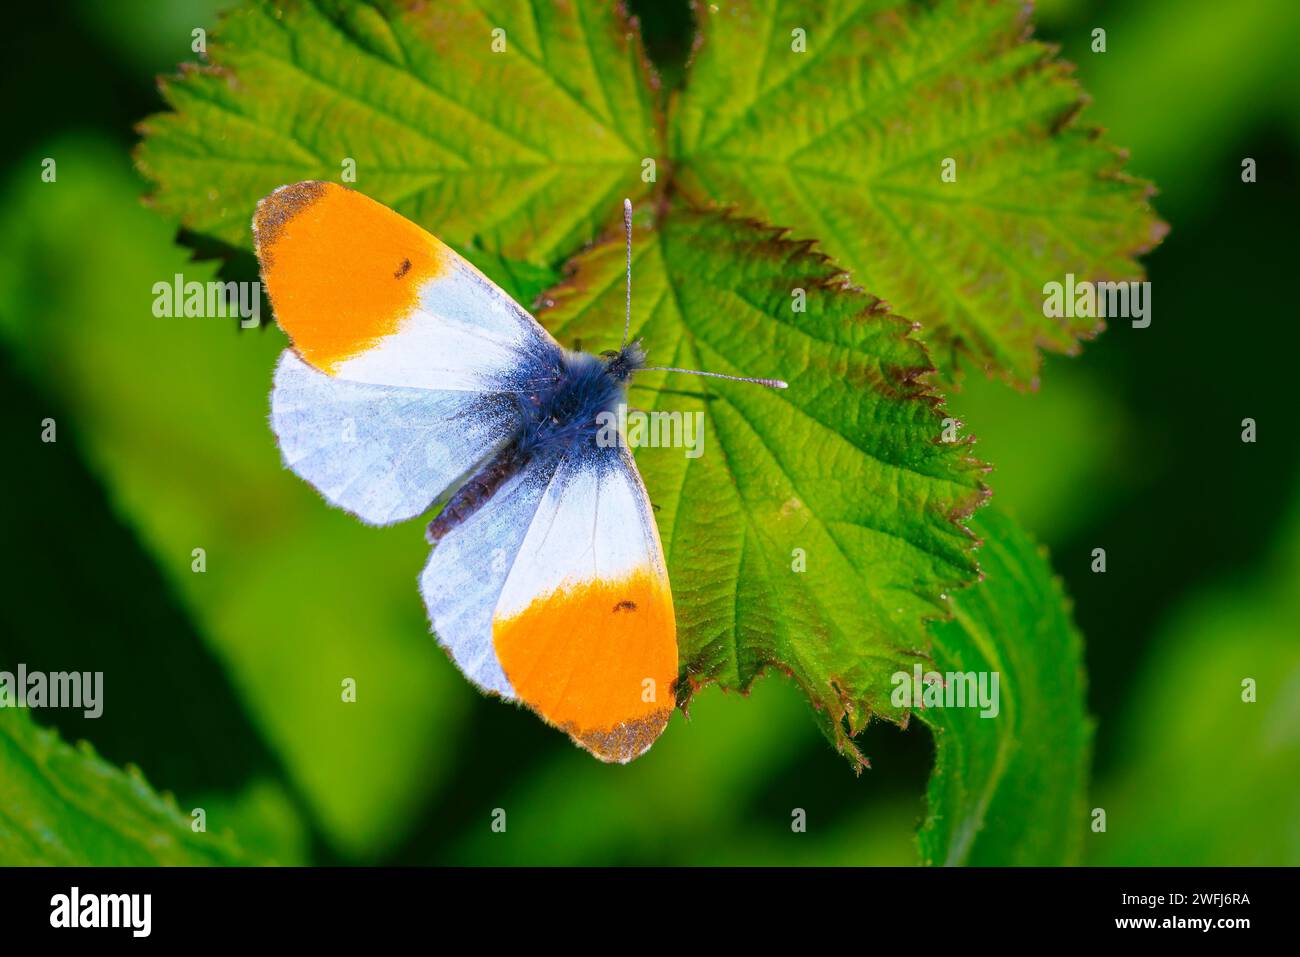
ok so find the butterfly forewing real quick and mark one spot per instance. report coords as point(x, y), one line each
point(405, 358)
point(578, 606)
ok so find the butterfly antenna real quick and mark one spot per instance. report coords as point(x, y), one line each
point(627, 228)
point(770, 383)
point(627, 320)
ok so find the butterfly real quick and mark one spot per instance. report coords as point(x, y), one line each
point(412, 380)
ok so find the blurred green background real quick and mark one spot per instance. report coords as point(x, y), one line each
point(224, 687)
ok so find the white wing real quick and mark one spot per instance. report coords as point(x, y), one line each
point(383, 453)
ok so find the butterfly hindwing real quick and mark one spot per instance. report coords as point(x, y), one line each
point(383, 453)
point(463, 578)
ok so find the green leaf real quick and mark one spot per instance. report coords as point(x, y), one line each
point(842, 473)
point(844, 143)
point(65, 806)
point(524, 152)
point(1009, 789)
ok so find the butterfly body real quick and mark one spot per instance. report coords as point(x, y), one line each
point(560, 411)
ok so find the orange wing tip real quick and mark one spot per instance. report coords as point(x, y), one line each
point(275, 211)
point(624, 742)
point(342, 271)
point(597, 660)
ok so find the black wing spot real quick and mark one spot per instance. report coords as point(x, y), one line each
point(625, 605)
point(403, 269)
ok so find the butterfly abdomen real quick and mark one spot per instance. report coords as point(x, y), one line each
point(481, 486)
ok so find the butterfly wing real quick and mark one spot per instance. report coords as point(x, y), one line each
point(405, 358)
point(555, 593)
point(383, 453)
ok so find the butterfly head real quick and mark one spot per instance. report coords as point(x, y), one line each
point(620, 364)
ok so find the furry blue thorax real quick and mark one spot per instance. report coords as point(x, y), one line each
point(561, 410)
point(559, 396)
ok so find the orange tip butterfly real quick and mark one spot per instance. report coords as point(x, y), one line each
point(413, 380)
